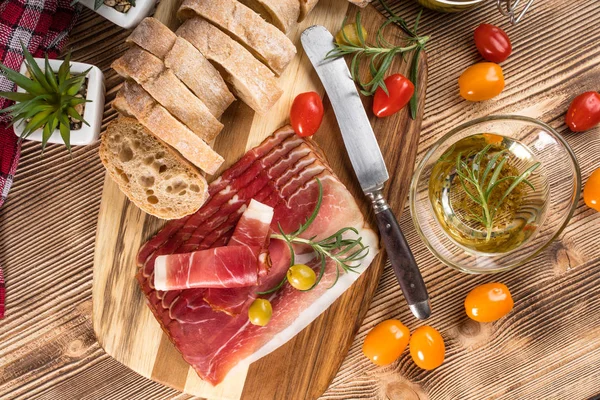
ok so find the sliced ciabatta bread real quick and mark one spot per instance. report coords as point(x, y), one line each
point(263, 40)
point(133, 100)
point(169, 91)
point(138, 64)
point(152, 175)
point(153, 36)
point(306, 7)
point(360, 3)
point(282, 13)
point(251, 81)
point(199, 75)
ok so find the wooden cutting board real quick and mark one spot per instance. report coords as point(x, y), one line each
point(305, 366)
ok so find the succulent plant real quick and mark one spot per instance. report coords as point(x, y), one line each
point(49, 100)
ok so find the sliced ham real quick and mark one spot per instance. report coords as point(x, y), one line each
point(252, 231)
point(221, 267)
point(237, 265)
point(281, 173)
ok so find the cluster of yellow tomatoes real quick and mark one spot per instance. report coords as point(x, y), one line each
point(386, 342)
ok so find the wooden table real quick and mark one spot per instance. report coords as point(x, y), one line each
point(548, 348)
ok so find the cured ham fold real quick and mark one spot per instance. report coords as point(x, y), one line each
point(236, 265)
point(280, 173)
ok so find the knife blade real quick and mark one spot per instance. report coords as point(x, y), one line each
point(367, 161)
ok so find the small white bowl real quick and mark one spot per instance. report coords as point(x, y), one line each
point(127, 20)
point(92, 112)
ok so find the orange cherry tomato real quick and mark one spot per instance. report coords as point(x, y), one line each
point(488, 302)
point(307, 113)
point(481, 81)
point(386, 342)
point(591, 193)
point(427, 347)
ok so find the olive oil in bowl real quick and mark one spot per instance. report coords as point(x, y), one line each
point(488, 193)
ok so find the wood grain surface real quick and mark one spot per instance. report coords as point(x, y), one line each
point(305, 366)
point(548, 348)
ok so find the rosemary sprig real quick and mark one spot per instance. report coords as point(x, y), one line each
point(484, 187)
point(347, 253)
point(381, 55)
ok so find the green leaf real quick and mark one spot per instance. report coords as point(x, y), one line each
point(65, 69)
point(34, 69)
point(491, 164)
point(36, 122)
point(414, 78)
point(496, 173)
point(65, 134)
point(22, 81)
point(416, 26)
point(50, 76)
point(516, 182)
point(17, 96)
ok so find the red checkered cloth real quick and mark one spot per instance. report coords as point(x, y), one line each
point(43, 27)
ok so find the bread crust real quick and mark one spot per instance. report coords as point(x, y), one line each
point(200, 76)
point(282, 13)
point(168, 90)
point(263, 40)
point(306, 6)
point(133, 100)
point(152, 175)
point(251, 81)
point(153, 36)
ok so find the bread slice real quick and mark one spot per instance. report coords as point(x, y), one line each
point(360, 3)
point(199, 75)
point(153, 36)
point(153, 176)
point(282, 13)
point(168, 90)
point(133, 100)
point(306, 7)
point(138, 64)
point(262, 39)
point(252, 82)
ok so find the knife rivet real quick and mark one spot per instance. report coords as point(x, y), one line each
point(387, 226)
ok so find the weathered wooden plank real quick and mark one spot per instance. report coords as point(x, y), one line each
point(47, 254)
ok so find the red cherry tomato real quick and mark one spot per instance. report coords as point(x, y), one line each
point(306, 114)
point(400, 90)
point(584, 112)
point(492, 42)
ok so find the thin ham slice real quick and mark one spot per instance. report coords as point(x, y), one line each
point(281, 173)
point(235, 266)
point(221, 267)
point(252, 231)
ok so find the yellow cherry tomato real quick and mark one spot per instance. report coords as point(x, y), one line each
point(488, 302)
point(427, 347)
point(386, 342)
point(591, 193)
point(481, 81)
point(352, 35)
point(260, 312)
point(301, 277)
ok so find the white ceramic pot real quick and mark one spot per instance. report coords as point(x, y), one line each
point(92, 112)
point(127, 20)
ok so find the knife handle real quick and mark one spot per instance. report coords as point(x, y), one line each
point(401, 257)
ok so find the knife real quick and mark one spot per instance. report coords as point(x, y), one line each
point(369, 165)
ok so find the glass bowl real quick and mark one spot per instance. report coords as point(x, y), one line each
point(564, 186)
